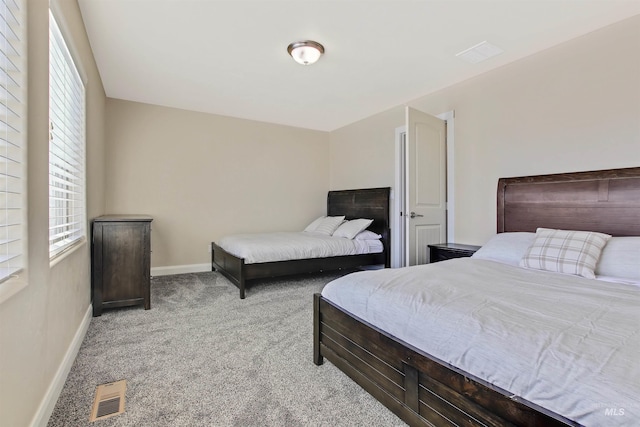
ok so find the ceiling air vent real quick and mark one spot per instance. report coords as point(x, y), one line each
point(479, 52)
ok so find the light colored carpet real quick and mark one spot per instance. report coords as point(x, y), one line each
point(203, 357)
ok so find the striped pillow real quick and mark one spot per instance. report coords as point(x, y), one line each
point(329, 224)
point(565, 251)
point(350, 229)
point(314, 224)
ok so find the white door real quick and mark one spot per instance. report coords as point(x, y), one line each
point(426, 212)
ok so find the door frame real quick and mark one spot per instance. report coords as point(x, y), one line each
point(398, 224)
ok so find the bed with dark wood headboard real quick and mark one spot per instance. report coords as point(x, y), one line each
point(423, 390)
point(370, 203)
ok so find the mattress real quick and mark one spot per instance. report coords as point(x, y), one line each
point(566, 343)
point(287, 246)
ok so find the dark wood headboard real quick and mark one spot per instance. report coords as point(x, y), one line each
point(370, 203)
point(607, 201)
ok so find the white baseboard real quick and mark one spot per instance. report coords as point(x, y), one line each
point(41, 418)
point(180, 269)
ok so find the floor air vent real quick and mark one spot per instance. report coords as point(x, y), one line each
point(109, 400)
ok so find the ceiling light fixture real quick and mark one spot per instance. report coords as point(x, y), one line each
point(305, 52)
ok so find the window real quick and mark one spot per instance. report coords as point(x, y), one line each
point(12, 140)
point(66, 147)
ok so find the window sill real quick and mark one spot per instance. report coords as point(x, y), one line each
point(68, 251)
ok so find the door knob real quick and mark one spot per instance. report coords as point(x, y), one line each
point(413, 215)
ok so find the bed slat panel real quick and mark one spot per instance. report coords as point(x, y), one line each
point(374, 341)
point(379, 393)
point(363, 361)
point(446, 401)
point(380, 364)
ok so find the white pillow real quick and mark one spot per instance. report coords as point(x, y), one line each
point(565, 251)
point(350, 229)
point(312, 227)
point(620, 258)
point(507, 248)
point(368, 235)
point(329, 224)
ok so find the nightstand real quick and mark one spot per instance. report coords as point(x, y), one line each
point(444, 251)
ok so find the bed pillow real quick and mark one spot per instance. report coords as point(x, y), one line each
point(620, 258)
point(312, 227)
point(367, 235)
point(565, 251)
point(507, 248)
point(350, 229)
point(329, 224)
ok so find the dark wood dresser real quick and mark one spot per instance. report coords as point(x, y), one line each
point(444, 251)
point(120, 261)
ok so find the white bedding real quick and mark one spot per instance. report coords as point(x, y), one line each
point(286, 246)
point(569, 344)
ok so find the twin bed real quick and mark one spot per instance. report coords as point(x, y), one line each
point(243, 258)
point(484, 341)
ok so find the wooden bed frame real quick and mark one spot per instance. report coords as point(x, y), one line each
point(425, 391)
point(370, 203)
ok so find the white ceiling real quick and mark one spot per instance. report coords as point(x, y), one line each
point(229, 57)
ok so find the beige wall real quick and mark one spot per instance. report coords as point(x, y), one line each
point(570, 108)
point(362, 154)
point(202, 176)
point(39, 322)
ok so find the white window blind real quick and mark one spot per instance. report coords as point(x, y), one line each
point(12, 130)
point(66, 146)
